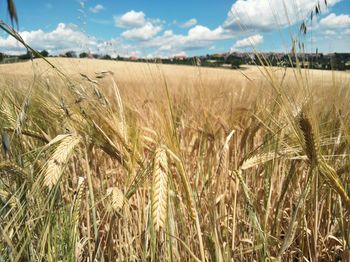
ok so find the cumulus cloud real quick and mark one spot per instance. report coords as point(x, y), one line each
point(62, 39)
point(189, 23)
point(130, 19)
point(137, 26)
point(181, 53)
point(253, 40)
point(329, 32)
point(146, 37)
point(145, 32)
point(202, 33)
point(335, 21)
point(97, 8)
point(198, 37)
point(168, 33)
point(257, 15)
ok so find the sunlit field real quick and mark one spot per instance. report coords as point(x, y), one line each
point(121, 161)
point(183, 131)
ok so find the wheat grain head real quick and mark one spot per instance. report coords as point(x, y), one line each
point(159, 188)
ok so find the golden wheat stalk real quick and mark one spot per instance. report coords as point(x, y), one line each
point(8, 198)
point(333, 180)
point(310, 141)
point(315, 158)
point(30, 133)
point(222, 167)
point(12, 169)
point(159, 188)
point(58, 160)
point(186, 185)
point(75, 215)
point(120, 108)
point(293, 224)
point(77, 200)
point(116, 197)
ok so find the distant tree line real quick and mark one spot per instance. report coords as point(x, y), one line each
point(335, 61)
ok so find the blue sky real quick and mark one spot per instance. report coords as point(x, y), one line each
point(163, 28)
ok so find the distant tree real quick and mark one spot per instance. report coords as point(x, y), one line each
point(71, 54)
point(44, 53)
point(107, 57)
point(235, 61)
point(28, 55)
point(83, 55)
point(1, 57)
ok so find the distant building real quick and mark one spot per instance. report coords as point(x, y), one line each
point(133, 58)
point(180, 57)
point(219, 55)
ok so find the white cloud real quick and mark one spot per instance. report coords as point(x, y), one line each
point(62, 39)
point(130, 19)
point(97, 8)
point(199, 37)
point(138, 27)
point(165, 48)
point(329, 32)
point(168, 33)
point(313, 40)
point(145, 32)
point(268, 15)
point(202, 33)
point(347, 32)
point(335, 21)
point(189, 23)
point(253, 40)
point(181, 53)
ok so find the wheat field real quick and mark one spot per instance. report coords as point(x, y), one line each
point(121, 161)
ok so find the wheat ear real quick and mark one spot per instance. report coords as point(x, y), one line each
point(311, 145)
point(159, 188)
point(116, 197)
point(55, 165)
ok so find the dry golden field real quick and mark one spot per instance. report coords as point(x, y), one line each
point(120, 161)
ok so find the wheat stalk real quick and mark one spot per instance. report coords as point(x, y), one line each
point(222, 167)
point(117, 198)
point(122, 124)
point(13, 169)
point(333, 180)
point(11, 8)
point(56, 163)
point(186, 185)
point(312, 152)
point(9, 198)
point(75, 215)
point(30, 133)
point(159, 188)
point(310, 142)
point(77, 200)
